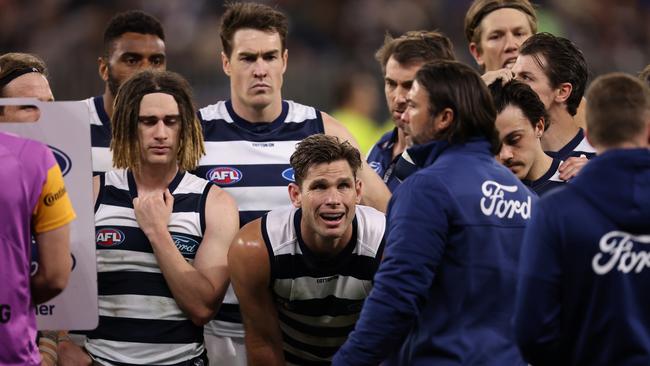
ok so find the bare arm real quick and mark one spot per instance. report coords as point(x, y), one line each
point(375, 192)
point(248, 262)
point(198, 288)
point(54, 264)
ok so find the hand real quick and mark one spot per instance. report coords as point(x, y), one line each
point(72, 355)
point(504, 74)
point(153, 211)
point(572, 166)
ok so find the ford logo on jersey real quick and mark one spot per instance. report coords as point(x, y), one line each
point(288, 175)
point(223, 175)
point(62, 159)
point(109, 237)
point(185, 245)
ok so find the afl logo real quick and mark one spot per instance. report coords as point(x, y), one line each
point(62, 159)
point(223, 175)
point(109, 237)
point(288, 175)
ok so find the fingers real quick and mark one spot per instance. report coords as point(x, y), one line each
point(572, 166)
point(169, 199)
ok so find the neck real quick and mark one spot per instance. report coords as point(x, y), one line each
point(324, 246)
point(561, 130)
point(400, 145)
point(108, 98)
point(150, 178)
point(253, 114)
point(541, 165)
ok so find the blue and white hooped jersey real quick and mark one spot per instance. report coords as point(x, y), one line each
point(319, 299)
point(250, 161)
point(100, 135)
point(575, 148)
point(140, 322)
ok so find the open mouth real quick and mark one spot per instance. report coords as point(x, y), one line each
point(331, 217)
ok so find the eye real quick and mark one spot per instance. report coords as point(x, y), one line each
point(248, 58)
point(131, 61)
point(158, 60)
point(513, 140)
point(270, 57)
point(391, 84)
point(171, 120)
point(344, 186)
point(148, 120)
point(494, 36)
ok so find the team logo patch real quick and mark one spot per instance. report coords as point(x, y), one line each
point(109, 237)
point(223, 175)
point(185, 244)
point(62, 159)
point(288, 175)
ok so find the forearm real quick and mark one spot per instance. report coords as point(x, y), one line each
point(191, 289)
point(263, 353)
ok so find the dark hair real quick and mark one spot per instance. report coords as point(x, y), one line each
point(481, 8)
point(320, 149)
point(519, 95)
point(618, 107)
point(415, 46)
point(14, 62)
point(454, 85)
point(254, 16)
point(563, 63)
point(645, 75)
point(135, 21)
point(125, 143)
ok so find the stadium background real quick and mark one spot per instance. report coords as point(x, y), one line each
point(328, 39)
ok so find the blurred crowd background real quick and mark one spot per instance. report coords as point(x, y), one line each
point(331, 42)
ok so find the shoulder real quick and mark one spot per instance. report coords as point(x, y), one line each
point(248, 246)
point(217, 111)
point(297, 112)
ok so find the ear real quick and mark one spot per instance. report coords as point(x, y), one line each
point(563, 92)
point(285, 58)
point(444, 119)
point(358, 186)
point(476, 53)
point(103, 68)
point(225, 63)
point(540, 127)
point(295, 195)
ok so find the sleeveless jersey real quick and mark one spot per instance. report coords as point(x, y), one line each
point(548, 181)
point(319, 300)
point(250, 161)
point(139, 320)
point(576, 147)
point(100, 135)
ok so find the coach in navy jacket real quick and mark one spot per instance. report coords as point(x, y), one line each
point(444, 294)
point(584, 294)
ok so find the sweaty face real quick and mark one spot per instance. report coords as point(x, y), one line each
point(159, 127)
point(30, 85)
point(519, 142)
point(502, 33)
point(130, 53)
point(397, 83)
point(417, 118)
point(256, 68)
point(528, 71)
point(328, 196)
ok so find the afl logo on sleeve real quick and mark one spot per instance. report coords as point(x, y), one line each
point(109, 237)
point(224, 175)
point(62, 159)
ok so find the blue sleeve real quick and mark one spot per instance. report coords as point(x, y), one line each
point(418, 226)
point(538, 307)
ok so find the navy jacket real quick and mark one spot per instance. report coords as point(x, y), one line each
point(584, 293)
point(445, 289)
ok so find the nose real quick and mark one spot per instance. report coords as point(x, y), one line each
point(405, 116)
point(505, 153)
point(160, 130)
point(333, 197)
point(512, 44)
point(260, 68)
